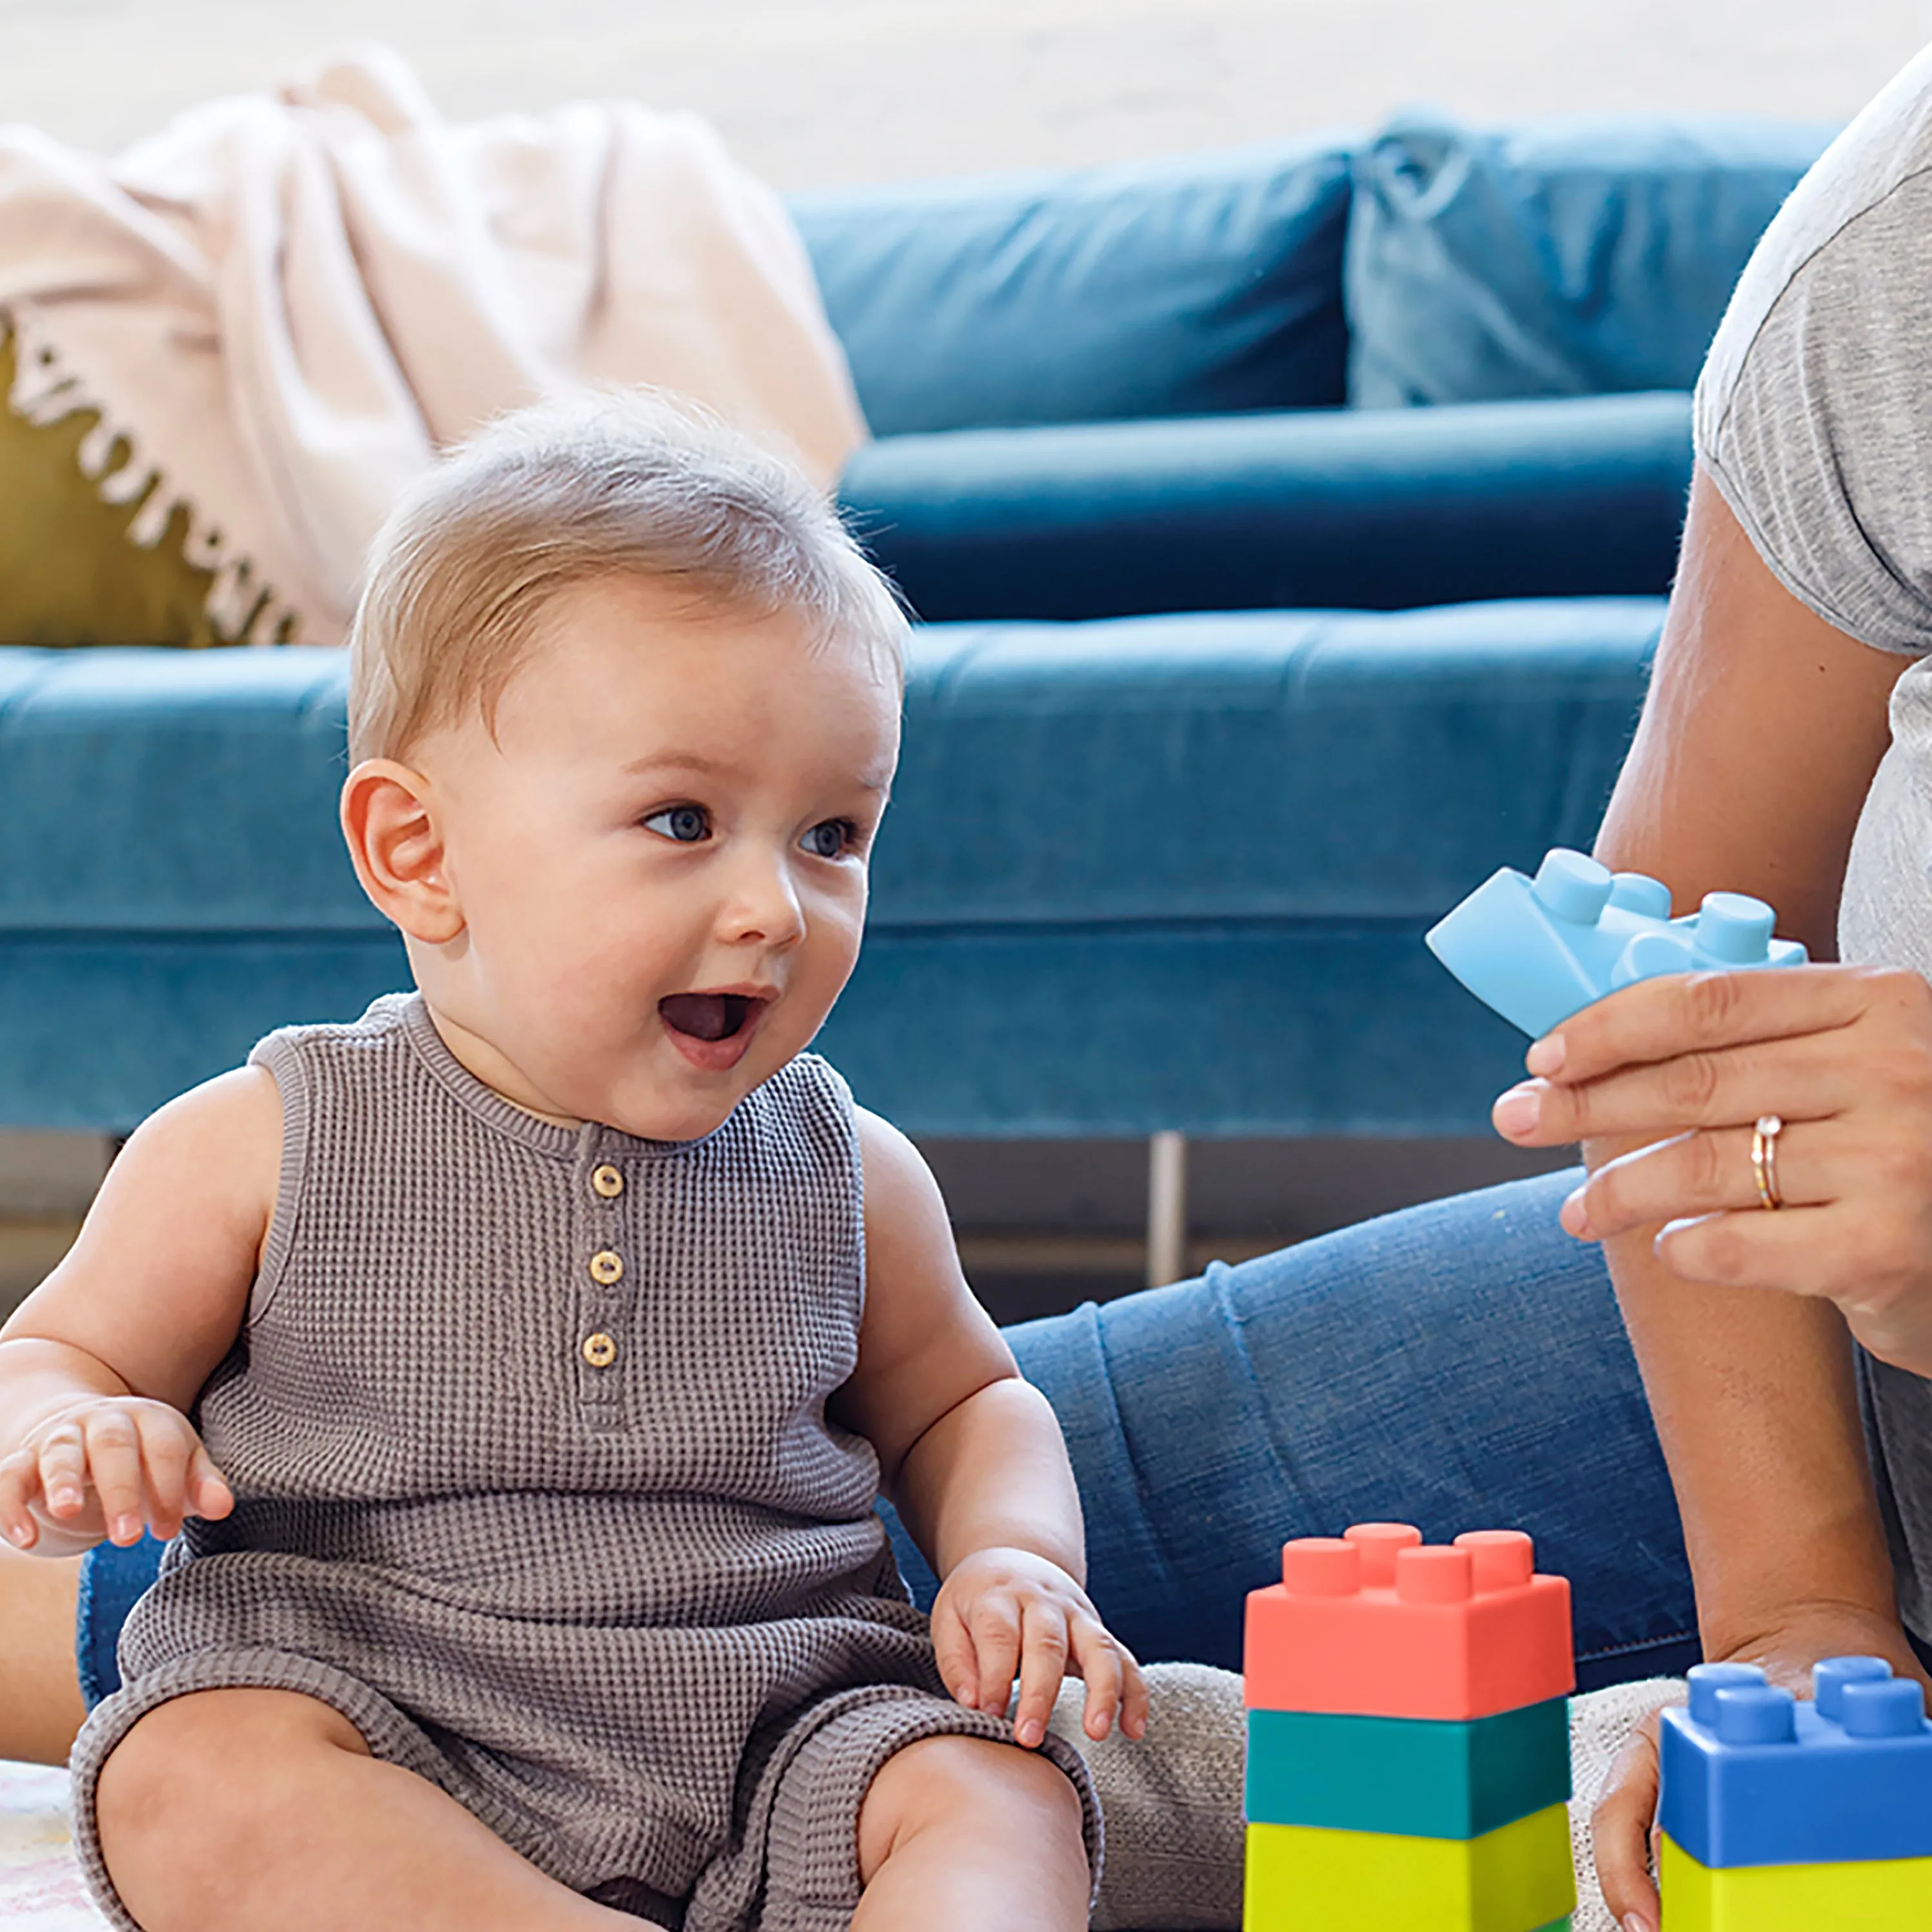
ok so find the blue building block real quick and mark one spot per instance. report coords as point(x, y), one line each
point(1752, 1777)
point(1539, 949)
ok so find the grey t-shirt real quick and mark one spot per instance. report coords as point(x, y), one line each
point(1814, 419)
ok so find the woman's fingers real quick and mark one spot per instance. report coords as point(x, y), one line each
point(1620, 1830)
point(1705, 1173)
point(1808, 1078)
point(1685, 1012)
point(1852, 1254)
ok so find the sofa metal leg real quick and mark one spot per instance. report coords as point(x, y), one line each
point(1167, 1208)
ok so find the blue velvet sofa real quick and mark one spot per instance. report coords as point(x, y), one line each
point(1291, 527)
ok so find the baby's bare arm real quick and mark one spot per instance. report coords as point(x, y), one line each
point(974, 1460)
point(99, 1363)
point(970, 1455)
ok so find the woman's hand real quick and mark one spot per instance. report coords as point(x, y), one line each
point(1622, 1825)
point(1842, 1054)
point(1003, 1612)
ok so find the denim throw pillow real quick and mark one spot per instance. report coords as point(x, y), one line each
point(1184, 287)
point(1565, 258)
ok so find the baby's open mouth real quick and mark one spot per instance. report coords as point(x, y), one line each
point(709, 1016)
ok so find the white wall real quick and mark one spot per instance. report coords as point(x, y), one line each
point(813, 92)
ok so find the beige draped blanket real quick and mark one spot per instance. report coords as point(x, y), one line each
point(282, 306)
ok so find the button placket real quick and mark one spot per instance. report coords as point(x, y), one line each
point(601, 1299)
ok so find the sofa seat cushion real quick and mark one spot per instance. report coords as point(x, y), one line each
point(1558, 258)
point(1364, 510)
point(1261, 765)
point(1175, 286)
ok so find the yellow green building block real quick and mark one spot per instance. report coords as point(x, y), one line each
point(1306, 1878)
point(1881, 1895)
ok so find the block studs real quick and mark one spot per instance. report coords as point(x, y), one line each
point(1379, 1543)
point(1321, 1566)
point(1435, 1573)
point(1830, 1676)
point(1502, 1559)
point(1893, 1707)
point(1756, 1714)
point(1735, 928)
point(1572, 885)
point(1708, 1679)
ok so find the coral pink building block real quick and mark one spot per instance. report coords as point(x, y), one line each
point(1378, 1624)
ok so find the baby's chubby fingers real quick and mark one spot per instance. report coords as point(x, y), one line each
point(114, 1461)
point(61, 1459)
point(1046, 1643)
point(1114, 1684)
point(181, 1477)
point(19, 1487)
point(994, 1623)
point(975, 1643)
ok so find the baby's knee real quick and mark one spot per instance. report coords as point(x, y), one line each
point(997, 1793)
point(199, 1785)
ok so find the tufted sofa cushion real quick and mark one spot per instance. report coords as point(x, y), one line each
point(1556, 258)
point(1180, 286)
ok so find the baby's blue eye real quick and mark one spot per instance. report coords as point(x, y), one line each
point(685, 824)
point(831, 839)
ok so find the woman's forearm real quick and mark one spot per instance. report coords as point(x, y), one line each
point(1756, 1409)
point(1760, 737)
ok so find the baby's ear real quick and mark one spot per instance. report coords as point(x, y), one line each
point(390, 820)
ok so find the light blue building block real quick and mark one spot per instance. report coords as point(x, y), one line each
point(1539, 949)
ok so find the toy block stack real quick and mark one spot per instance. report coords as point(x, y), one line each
point(1408, 1737)
point(1780, 1815)
point(1537, 950)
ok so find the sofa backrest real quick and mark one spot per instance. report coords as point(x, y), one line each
point(1568, 257)
point(1435, 263)
point(1191, 285)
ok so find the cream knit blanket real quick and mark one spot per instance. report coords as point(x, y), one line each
point(283, 306)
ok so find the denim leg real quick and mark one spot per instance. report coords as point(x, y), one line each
point(111, 1578)
point(1459, 1366)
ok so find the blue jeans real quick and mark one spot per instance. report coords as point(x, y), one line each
point(1459, 1366)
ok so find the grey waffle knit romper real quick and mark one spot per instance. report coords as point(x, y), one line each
point(535, 1485)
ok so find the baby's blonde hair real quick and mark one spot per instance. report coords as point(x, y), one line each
point(563, 495)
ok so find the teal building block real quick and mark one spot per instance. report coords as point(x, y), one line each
point(1414, 1777)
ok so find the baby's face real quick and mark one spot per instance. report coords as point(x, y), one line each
point(660, 859)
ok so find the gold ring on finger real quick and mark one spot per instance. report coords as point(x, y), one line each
point(1764, 1158)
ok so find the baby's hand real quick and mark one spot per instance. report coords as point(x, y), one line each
point(1003, 1612)
point(102, 1468)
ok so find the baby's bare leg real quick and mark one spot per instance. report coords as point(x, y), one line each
point(40, 1706)
point(230, 1811)
point(963, 1833)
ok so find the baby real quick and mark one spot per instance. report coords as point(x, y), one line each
point(519, 1364)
